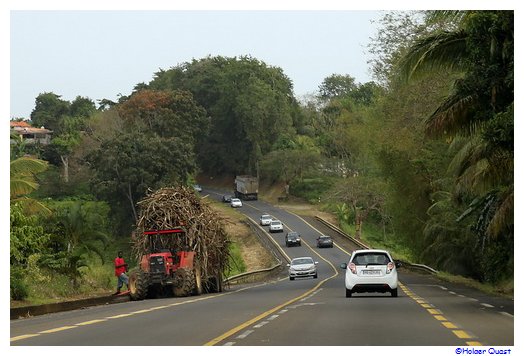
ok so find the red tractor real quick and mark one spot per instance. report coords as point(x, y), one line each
point(163, 271)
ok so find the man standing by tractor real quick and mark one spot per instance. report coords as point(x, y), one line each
point(120, 272)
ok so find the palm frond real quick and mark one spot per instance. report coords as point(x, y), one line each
point(31, 206)
point(453, 116)
point(22, 186)
point(27, 165)
point(453, 16)
point(503, 217)
point(443, 50)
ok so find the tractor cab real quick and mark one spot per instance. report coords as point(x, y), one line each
point(162, 261)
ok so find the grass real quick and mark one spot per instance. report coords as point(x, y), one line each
point(373, 236)
point(504, 288)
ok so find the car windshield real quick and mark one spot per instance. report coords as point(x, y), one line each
point(324, 238)
point(275, 222)
point(302, 261)
point(292, 234)
point(265, 217)
point(371, 258)
point(235, 200)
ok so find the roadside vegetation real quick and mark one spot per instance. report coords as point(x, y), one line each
point(419, 160)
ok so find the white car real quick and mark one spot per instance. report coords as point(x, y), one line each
point(302, 267)
point(371, 271)
point(265, 219)
point(197, 188)
point(236, 203)
point(275, 226)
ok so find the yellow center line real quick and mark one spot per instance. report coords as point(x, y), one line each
point(449, 325)
point(473, 343)
point(437, 314)
point(91, 322)
point(462, 334)
point(263, 315)
point(433, 311)
point(21, 337)
point(58, 329)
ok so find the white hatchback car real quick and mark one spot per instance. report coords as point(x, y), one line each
point(302, 267)
point(275, 225)
point(265, 219)
point(236, 203)
point(371, 271)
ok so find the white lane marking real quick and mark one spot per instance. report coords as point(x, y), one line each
point(450, 292)
point(473, 299)
point(442, 287)
point(261, 324)
point(460, 295)
point(282, 311)
point(487, 305)
point(229, 343)
point(507, 314)
point(245, 334)
point(273, 317)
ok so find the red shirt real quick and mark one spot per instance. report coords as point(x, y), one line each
point(119, 266)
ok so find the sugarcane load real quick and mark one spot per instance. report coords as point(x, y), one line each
point(180, 243)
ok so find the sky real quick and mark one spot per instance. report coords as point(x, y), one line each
point(104, 54)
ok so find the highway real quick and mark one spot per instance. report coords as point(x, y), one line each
point(303, 312)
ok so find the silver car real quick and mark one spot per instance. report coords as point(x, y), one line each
point(265, 219)
point(275, 226)
point(302, 267)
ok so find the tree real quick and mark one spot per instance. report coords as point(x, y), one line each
point(250, 105)
point(481, 104)
point(23, 182)
point(78, 230)
point(48, 111)
point(477, 118)
point(363, 196)
point(127, 165)
point(336, 86)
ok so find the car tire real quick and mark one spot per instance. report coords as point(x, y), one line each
point(348, 293)
point(291, 278)
point(316, 275)
point(287, 245)
point(300, 244)
point(394, 293)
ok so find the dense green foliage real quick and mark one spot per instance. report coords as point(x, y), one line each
point(420, 161)
point(251, 105)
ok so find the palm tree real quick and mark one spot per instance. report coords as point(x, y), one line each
point(478, 112)
point(23, 182)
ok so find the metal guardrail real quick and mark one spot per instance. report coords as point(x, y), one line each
point(361, 244)
point(253, 275)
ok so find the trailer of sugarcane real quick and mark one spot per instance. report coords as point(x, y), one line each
point(177, 228)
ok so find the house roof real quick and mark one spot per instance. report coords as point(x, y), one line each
point(19, 124)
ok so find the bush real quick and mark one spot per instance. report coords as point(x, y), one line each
point(18, 287)
point(311, 189)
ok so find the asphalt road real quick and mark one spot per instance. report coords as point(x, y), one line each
point(302, 312)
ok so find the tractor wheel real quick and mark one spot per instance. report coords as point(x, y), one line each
point(197, 273)
point(184, 282)
point(214, 284)
point(137, 285)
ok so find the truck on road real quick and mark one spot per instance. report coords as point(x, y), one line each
point(246, 187)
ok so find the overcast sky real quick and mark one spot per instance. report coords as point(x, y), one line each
point(101, 54)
